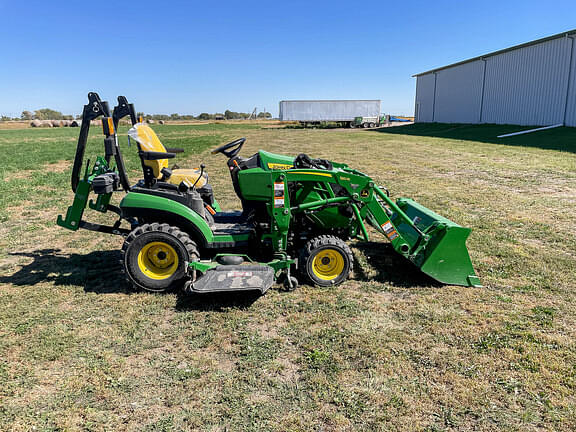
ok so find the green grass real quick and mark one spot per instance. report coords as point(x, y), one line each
point(384, 351)
point(562, 138)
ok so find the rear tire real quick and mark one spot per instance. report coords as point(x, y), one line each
point(365, 125)
point(326, 260)
point(155, 257)
point(372, 125)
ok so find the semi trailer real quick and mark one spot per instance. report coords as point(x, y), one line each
point(314, 112)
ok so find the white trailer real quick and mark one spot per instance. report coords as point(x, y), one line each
point(321, 111)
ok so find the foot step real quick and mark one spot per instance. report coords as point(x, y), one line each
point(225, 278)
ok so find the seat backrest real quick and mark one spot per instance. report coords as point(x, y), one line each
point(147, 140)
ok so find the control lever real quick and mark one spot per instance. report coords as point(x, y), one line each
point(202, 166)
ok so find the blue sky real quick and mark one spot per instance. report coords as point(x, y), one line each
point(190, 57)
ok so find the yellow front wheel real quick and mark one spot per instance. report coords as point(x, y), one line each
point(326, 260)
point(158, 260)
point(155, 256)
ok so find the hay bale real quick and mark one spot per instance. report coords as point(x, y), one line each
point(161, 122)
point(66, 123)
point(95, 122)
point(150, 121)
point(47, 123)
point(35, 123)
point(75, 123)
point(57, 123)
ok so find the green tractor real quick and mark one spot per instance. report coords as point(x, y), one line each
point(367, 122)
point(297, 214)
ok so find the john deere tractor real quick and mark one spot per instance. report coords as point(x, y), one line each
point(296, 218)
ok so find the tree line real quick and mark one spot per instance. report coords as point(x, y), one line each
point(226, 115)
point(50, 114)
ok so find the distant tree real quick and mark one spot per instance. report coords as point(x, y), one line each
point(230, 115)
point(48, 114)
point(5, 118)
point(160, 117)
point(204, 116)
point(27, 115)
point(174, 116)
point(264, 115)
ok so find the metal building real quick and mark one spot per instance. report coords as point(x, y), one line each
point(328, 110)
point(529, 84)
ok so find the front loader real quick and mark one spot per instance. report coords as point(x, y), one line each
point(297, 216)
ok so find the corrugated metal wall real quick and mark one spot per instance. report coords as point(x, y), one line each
point(425, 98)
point(459, 93)
point(571, 103)
point(531, 85)
point(527, 86)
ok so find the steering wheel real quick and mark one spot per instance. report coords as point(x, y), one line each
point(231, 149)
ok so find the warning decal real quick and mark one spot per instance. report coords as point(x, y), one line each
point(389, 230)
point(239, 274)
point(278, 194)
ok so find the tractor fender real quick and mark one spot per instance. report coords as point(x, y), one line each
point(158, 209)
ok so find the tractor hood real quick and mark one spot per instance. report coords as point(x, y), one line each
point(272, 161)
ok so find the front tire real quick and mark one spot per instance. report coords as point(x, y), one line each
point(155, 257)
point(326, 260)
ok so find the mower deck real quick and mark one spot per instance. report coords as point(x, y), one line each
point(235, 278)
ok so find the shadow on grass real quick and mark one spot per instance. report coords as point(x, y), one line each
point(391, 267)
point(100, 272)
point(562, 138)
point(216, 302)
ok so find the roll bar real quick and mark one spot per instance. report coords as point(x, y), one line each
point(92, 110)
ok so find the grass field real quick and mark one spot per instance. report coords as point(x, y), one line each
point(384, 351)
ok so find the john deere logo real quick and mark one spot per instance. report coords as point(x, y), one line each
point(279, 166)
point(364, 193)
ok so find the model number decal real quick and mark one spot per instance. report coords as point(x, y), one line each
point(279, 166)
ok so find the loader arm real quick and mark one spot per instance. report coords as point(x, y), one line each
point(432, 242)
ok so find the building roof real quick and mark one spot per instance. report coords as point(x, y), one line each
point(515, 47)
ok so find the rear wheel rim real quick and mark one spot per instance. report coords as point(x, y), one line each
point(158, 260)
point(328, 264)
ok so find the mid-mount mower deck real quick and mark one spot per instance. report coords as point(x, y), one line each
point(297, 214)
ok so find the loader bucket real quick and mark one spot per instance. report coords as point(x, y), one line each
point(443, 255)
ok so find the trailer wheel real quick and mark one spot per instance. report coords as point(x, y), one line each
point(326, 260)
point(365, 125)
point(351, 125)
point(372, 125)
point(155, 257)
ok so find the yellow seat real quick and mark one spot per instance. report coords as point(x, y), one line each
point(148, 141)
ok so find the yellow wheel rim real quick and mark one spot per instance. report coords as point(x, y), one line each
point(158, 260)
point(328, 264)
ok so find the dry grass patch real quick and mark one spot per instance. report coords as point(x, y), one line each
point(388, 350)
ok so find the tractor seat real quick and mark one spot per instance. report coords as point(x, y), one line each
point(154, 157)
